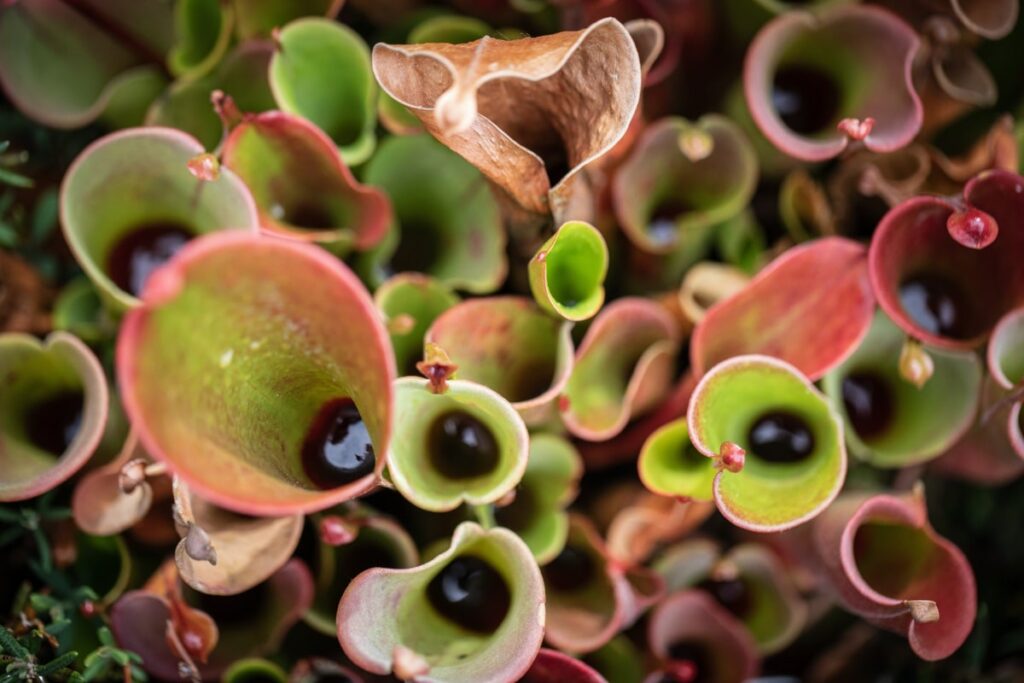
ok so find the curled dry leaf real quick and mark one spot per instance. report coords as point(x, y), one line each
point(652, 520)
point(236, 552)
point(529, 113)
point(100, 504)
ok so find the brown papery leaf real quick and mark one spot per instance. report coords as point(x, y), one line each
point(529, 113)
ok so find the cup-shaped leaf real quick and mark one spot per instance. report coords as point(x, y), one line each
point(645, 524)
point(567, 273)
point(301, 184)
point(99, 506)
point(935, 288)
point(1005, 354)
point(529, 113)
point(278, 350)
point(670, 465)
point(411, 302)
point(442, 28)
point(391, 620)
point(203, 32)
point(61, 68)
point(618, 660)
point(128, 202)
point(242, 75)
point(448, 28)
point(247, 549)
point(707, 283)
point(379, 542)
point(552, 666)
point(630, 441)
point(658, 32)
point(508, 344)
point(867, 184)
point(53, 410)
point(749, 581)
point(992, 452)
point(810, 307)
point(814, 82)
point(623, 368)
point(890, 422)
point(467, 444)
point(537, 514)
point(781, 6)
point(249, 624)
point(447, 223)
point(78, 310)
point(259, 18)
point(680, 177)
point(795, 460)
point(992, 19)
point(322, 670)
point(321, 72)
point(588, 599)
point(997, 149)
point(254, 670)
point(691, 629)
point(886, 563)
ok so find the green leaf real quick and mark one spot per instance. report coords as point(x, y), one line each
point(105, 636)
point(43, 603)
point(10, 644)
point(95, 668)
point(9, 177)
point(65, 660)
point(44, 216)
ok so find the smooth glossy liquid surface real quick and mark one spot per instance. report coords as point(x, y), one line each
point(937, 305)
point(805, 98)
point(868, 403)
point(141, 251)
point(461, 446)
point(52, 424)
point(732, 594)
point(337, 449)
point(781, 437)
point(572, 570)
point(471, 593)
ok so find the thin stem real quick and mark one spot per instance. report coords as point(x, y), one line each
point(485, 515)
